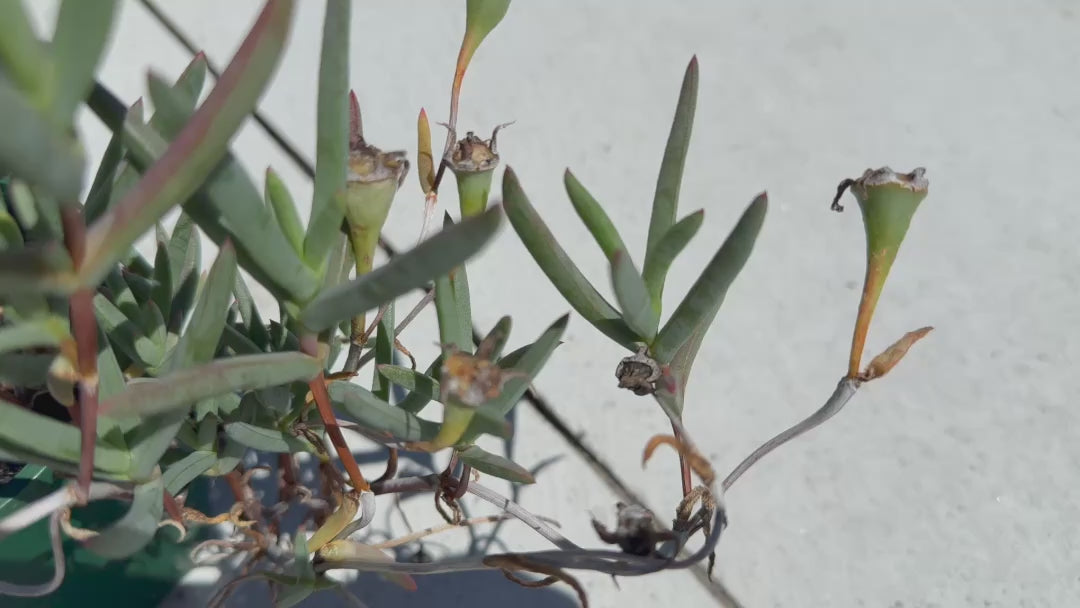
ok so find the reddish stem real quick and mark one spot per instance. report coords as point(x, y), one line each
point(287, 485)
point(462, 482)
point(684, 465)
point(243, 495)
point(391, 466)
point(309, 345)
point(172, 507)
point(84, 328)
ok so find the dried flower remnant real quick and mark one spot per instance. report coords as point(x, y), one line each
point(372, 179)
point(473, 161)
point(472, 154)
point(471, 380)
point(636, 530)
point(638, 372)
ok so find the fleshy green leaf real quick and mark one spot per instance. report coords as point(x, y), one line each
point(111, 382)
point(181, 389)
point(221, 406)
point(22, 56)
point(433, 258)
point(82, 31)
point(229, 457)
point(141, 340)
point(491, 347)
point(110, 376)
point(228, 206)
point(35, 434)
point(10, 234)
point(161, 293)
point(529, 364)
point(253, 323)
point(264, 439)
point(192, 79)
point(691, 320)
point(125, 178)
point(48, 331)
point(182, 96)
point(240, 344)
point(339, 260)
point(100, 193)
point(198, 148)
point(388, 423)
point(332, 143)
point(452, 319)
point(459, 288)
point(384, 353)
point(33, 151)
point(633, 296)
point(495, 465)
point(481, 16)
point(284, 209)
point(184, 471)
point(560, 270)
point(184, 252)
point(594, 217)
point(666, 200)
point(136, 528)
point(416, 401)
point(44, 268)
point(669, 247)
point(151, 438)
point(25, 369)
point(12, 453)
point(200, 340)
point(410, 380)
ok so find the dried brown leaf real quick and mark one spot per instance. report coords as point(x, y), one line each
point(697, 462)
point(888, 359)
point(511, 563)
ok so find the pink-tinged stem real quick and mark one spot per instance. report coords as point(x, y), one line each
point(684, 465)
point(309, 345)
point(84, 328)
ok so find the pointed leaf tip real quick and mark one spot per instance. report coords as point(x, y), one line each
point(669, 180)
point(356, 121)
point(679, 340)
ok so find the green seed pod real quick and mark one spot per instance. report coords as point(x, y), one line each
point(888, 201)
point(473, 162)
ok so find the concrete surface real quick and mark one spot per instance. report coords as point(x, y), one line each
point(955, 481)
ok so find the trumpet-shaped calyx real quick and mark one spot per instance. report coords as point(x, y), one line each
point(473, 161)
point(888, 201)
point(372, 179)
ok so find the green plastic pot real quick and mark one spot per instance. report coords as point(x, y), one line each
point(145, 579)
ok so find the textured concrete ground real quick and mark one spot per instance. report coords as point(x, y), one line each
point(955, 481)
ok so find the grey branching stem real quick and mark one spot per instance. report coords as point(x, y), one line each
point(57, 546)
point(51, 506)
point(845, 389)
point(428, 298)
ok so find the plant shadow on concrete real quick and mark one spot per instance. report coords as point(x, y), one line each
point(143, 382)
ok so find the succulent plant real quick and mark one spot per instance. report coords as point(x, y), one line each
point(132, 378)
